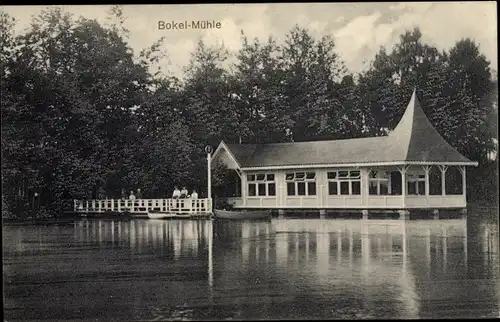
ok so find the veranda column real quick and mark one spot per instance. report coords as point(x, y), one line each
point(443, 179)
point(365, 185)
point(464, 183)
point(403, 213)
point(244, 188)
point(403, 170)
point(427, 185)
point(464, 188)
point(280, 183)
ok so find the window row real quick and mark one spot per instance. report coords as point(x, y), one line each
point(348, 182)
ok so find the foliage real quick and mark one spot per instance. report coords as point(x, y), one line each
point(83, 115)
point(220, 175)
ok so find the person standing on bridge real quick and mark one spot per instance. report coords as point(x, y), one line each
point(194, 197)
point(184, 192)
point(132, 196)
point(139, 194)
point(176, 194)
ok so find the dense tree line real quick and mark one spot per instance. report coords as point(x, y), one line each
point(85, 117)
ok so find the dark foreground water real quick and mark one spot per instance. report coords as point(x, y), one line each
point(287, 269)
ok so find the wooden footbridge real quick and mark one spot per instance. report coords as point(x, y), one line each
point(194, 207)
point(141, 207)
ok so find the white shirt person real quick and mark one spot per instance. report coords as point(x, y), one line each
point(184, 192)
point(176, 194)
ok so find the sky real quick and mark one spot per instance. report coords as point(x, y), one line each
point(358, 29)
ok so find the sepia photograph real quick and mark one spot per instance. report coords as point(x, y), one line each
point(267, 161)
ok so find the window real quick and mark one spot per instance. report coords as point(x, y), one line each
point(378, 183)
point(301, 183)
point(261, 184)
point(435, 181)
point(415, 184)
point(453, 178)
point(344, 182)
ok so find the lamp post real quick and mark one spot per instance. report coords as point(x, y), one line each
point(208, 150)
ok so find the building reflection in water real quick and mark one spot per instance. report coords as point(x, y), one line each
point(425, 261)
point(180, 237)
point(395, 268)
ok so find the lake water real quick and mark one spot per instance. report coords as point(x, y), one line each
point(142, 269)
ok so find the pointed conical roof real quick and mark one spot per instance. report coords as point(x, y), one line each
point(413, 140)
point(418, 140)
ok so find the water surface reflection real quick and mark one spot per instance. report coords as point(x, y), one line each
point(300, 269)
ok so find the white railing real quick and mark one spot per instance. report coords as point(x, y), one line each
point(190, 206)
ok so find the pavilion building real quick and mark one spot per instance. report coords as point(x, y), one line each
point(413, 167)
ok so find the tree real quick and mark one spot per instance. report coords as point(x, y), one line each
point(310, 97)
point(165, 141)
point(257, 98)
point(75, 86)
point(206, 105)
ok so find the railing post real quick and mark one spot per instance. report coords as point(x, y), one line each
point(119, 205)
point(87, 206)
point(112, 204)
point(99, 205)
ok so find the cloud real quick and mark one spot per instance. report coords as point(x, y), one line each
point(355, 38)
point(441, 24)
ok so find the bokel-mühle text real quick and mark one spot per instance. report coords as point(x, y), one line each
point(195, 24)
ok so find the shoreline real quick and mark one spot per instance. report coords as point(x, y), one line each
point(67, 218)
